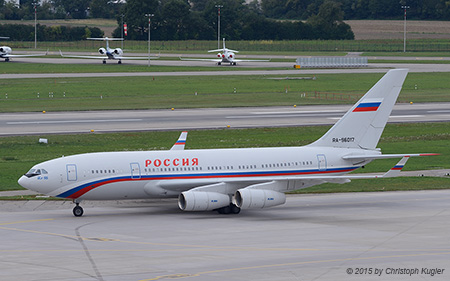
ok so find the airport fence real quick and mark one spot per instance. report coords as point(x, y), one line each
point(413, 45)
point(332, 62)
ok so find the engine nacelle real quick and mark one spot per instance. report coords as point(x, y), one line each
point(118, 51)
point(247, 198)
point(219, 55)
point(202, 201)
point(5, 50)
point(102, 51)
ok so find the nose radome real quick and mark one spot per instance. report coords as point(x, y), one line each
point(24, 182)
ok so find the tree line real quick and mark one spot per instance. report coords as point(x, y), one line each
point(180, 20)
point(195, 19)
point(22, 32)
point(360, 9)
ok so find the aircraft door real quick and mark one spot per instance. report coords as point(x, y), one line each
point(71, 170)
point(135, 171)
point(322, 162)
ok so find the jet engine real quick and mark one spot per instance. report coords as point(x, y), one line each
point(248, 198)
point(202, 201)
point(5, 50)
point(219, 55)
point(118, 51)
point(102, 51)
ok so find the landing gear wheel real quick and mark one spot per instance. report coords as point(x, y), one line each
point(219, 63)
point(234, 63)
point(104, 62)
point(120, 62)
point(7, 59)
point(77, 211)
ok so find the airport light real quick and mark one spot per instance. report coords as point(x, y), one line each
point(404, 28)
point(149, 20)
point(122, 15)
point(218, 24)
point(35, 26)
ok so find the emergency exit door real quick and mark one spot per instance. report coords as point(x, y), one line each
point(71, 170)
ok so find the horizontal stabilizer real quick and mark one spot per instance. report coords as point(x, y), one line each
point(105, 39)
point(384, 156)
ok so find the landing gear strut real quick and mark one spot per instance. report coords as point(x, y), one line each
point(230, 209)
point(77, 210)
point(104, 61)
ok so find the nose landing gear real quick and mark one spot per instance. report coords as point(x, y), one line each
point(77, 210)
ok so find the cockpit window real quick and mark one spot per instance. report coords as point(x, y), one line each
point(35, 172)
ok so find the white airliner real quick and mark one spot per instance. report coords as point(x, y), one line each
point(228, 180)
point(108, 53)
point(6, 52)
point(224, 55)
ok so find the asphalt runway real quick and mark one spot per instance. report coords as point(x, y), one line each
point(375, 236)
point(203, 118)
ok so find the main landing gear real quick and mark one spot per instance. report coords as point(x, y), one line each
point(230, 209)
point(77, 210)
point(104, 61)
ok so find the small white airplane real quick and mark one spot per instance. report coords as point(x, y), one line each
point(228, 180)
point(108, 53)
point(225, 55)
point(6, 53)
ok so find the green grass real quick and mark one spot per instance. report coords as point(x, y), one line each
point(110, 66)
point(405, 54)
point(264, 46)
point(212, 91)
point(412, 61)
point(19, 154)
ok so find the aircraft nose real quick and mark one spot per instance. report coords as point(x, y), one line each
point(24, 182)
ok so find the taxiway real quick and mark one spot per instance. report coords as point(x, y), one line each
point(203, 118)
point(311, 237)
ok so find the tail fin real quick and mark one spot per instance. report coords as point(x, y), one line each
point(363, 124)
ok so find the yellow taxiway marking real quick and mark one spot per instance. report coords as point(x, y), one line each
point(18, 222)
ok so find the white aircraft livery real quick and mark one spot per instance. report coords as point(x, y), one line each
point(224, 55)
point(6, 53)
point(228, 180)
point(108, 53)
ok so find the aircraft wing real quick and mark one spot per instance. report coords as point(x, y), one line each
point(84, 57)
point(214, 60)
point(136, 58)
point(22, 56)
point(106, 57)
point(239, 60)
point(279, 183)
